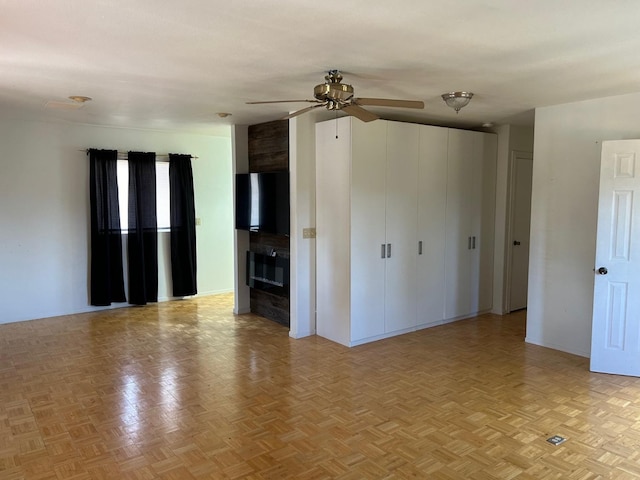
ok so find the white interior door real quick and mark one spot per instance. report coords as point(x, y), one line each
point(615, 335)
point(522, 172)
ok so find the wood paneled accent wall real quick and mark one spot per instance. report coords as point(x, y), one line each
point(269, 152)
point(269, 147)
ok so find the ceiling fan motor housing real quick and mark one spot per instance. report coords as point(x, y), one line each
point(333, 91)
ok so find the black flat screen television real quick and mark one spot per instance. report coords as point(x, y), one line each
point(262, 202)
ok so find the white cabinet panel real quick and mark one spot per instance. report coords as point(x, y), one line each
point(333, 256)
point(486, 170)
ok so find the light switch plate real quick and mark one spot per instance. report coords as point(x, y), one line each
point(308, 233)
point(198, 221)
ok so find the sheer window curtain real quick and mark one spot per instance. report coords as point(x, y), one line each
point(107, 282)
point(183, 226)
point(142, 240)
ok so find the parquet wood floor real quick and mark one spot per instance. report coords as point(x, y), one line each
point(186, 390)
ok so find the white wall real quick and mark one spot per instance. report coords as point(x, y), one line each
point(566, 171)
point(44, 212)
point(242, 240)
point(302, 148)
point(302, 197)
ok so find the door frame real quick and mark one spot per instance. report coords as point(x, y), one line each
point(515, 154)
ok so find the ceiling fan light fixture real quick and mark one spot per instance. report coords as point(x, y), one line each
point(457, 100)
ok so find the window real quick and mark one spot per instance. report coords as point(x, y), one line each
point(255, 202)
point(162, 195)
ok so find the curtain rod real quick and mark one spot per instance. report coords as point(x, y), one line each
point(126, 154)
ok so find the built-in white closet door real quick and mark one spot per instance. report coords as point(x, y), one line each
point(401, 225)
point(432, 192)
point(404, 227)
point(367, 229)
point(469, 223)
point(458, 229)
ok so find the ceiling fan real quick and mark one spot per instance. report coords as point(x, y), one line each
point(334, 95)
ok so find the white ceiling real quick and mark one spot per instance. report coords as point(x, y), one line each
point(174, 65)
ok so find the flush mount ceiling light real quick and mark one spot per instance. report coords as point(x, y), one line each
point(80, 98)
point(457, 100)
point(77, 102)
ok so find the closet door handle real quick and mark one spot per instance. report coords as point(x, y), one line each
point(473, 243)
point(388, 250)
point(420, 247)
point(382, 251)
point(469, 243)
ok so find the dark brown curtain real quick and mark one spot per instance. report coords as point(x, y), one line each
point(183, 226)
point(107, 284)
point(143, 229)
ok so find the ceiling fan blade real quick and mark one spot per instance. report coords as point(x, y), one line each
point(282, 101)
point(385, 102)
point(360, 113)
point(304, 110)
